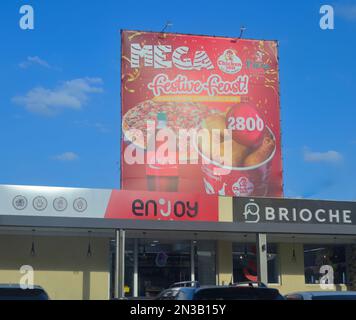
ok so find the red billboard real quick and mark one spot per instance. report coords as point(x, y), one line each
point(200, 114)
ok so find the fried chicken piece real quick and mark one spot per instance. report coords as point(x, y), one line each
point(234, 158)
point(215, 121)
point(215, 150)
point(262, 153)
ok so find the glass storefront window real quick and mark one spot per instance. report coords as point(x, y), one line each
point(162, 263)
point(316, 256)
point(245, 263)
point(205, 262)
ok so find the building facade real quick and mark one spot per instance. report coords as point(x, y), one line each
point(78, 249)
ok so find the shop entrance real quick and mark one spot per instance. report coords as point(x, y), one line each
point(162, 263)
point(155, 261)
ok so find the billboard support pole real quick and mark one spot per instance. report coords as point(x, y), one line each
point(120, 264)
point(167, 25)
point(261, 246)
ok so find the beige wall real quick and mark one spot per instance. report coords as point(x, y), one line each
point(63, 269)
point(61, 265)
point(224, 262)
point(292, 271)
point(225, 209)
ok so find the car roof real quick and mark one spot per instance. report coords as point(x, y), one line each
point(16, 286)
point(197, 289)
point(324, 293)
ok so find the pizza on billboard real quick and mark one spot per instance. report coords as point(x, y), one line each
point(187, 84)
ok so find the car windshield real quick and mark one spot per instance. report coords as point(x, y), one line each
point(232, 293)
point(20, 294)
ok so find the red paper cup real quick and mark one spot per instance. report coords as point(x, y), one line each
point(236, 181)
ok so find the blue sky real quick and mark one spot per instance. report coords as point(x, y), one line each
point(74, 52)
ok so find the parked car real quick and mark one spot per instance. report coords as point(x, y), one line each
point(15, 292)
point(322, 295)
point(193, 291)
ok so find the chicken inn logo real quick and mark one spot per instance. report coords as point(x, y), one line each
point(229, 62)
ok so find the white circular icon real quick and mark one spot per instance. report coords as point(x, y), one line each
point(19, 202)
point(40, 203)
point(60, 204)
point(80, 205)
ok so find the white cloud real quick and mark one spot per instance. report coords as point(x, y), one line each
point(66, 157)
point(30, 61)
point(99, 126)
point(329, 156)
point(72, 94)
point(346, 11)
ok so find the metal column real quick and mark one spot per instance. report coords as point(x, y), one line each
point(120, 264)
point(261, 245)
point(192, 260)
point(135, 275)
